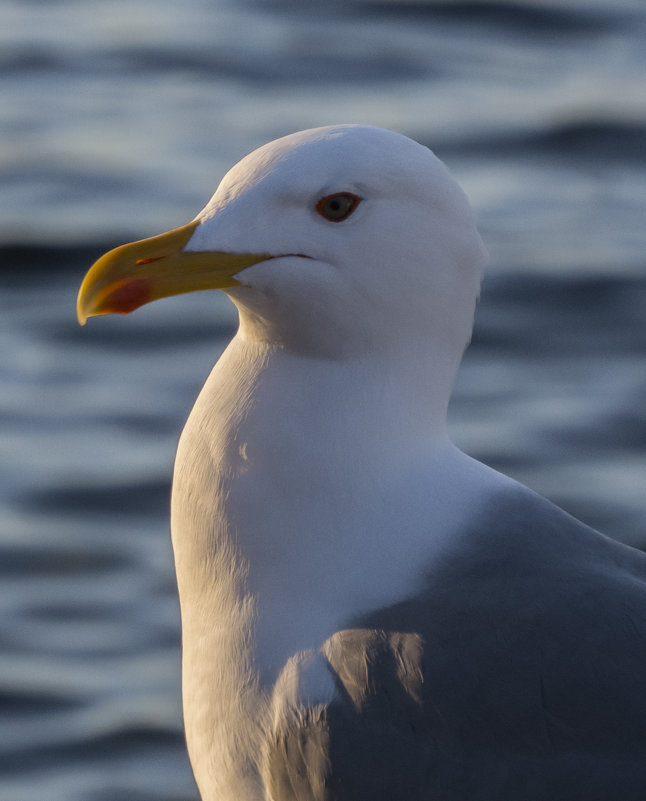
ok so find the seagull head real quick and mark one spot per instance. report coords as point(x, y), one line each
point(331, 242)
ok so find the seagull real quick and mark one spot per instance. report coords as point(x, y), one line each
point(369, 614)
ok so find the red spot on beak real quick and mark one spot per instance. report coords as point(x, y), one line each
point(127, 297)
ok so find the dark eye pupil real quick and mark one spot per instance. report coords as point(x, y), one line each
point(337, 207)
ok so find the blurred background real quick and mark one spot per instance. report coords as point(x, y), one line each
point(118, 120)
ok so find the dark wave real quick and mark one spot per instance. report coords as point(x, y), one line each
point(20, 263)
point(579, 139)
point(57, 560)
point(533, 17)
point(112, 745)
point(548, 310)
point(299, 66)
point(148, 499)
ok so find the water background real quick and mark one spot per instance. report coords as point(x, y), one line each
point(117, 120)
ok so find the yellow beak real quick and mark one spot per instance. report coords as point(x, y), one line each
point(132, 275)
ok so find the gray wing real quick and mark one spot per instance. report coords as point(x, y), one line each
point(519, 673)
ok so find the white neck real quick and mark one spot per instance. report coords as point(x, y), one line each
point(290, 478)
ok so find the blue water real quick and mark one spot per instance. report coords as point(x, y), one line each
point(118, 120)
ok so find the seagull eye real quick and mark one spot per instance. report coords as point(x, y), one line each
point(337, 207)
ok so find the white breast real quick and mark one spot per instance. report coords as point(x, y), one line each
point(296, 509)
